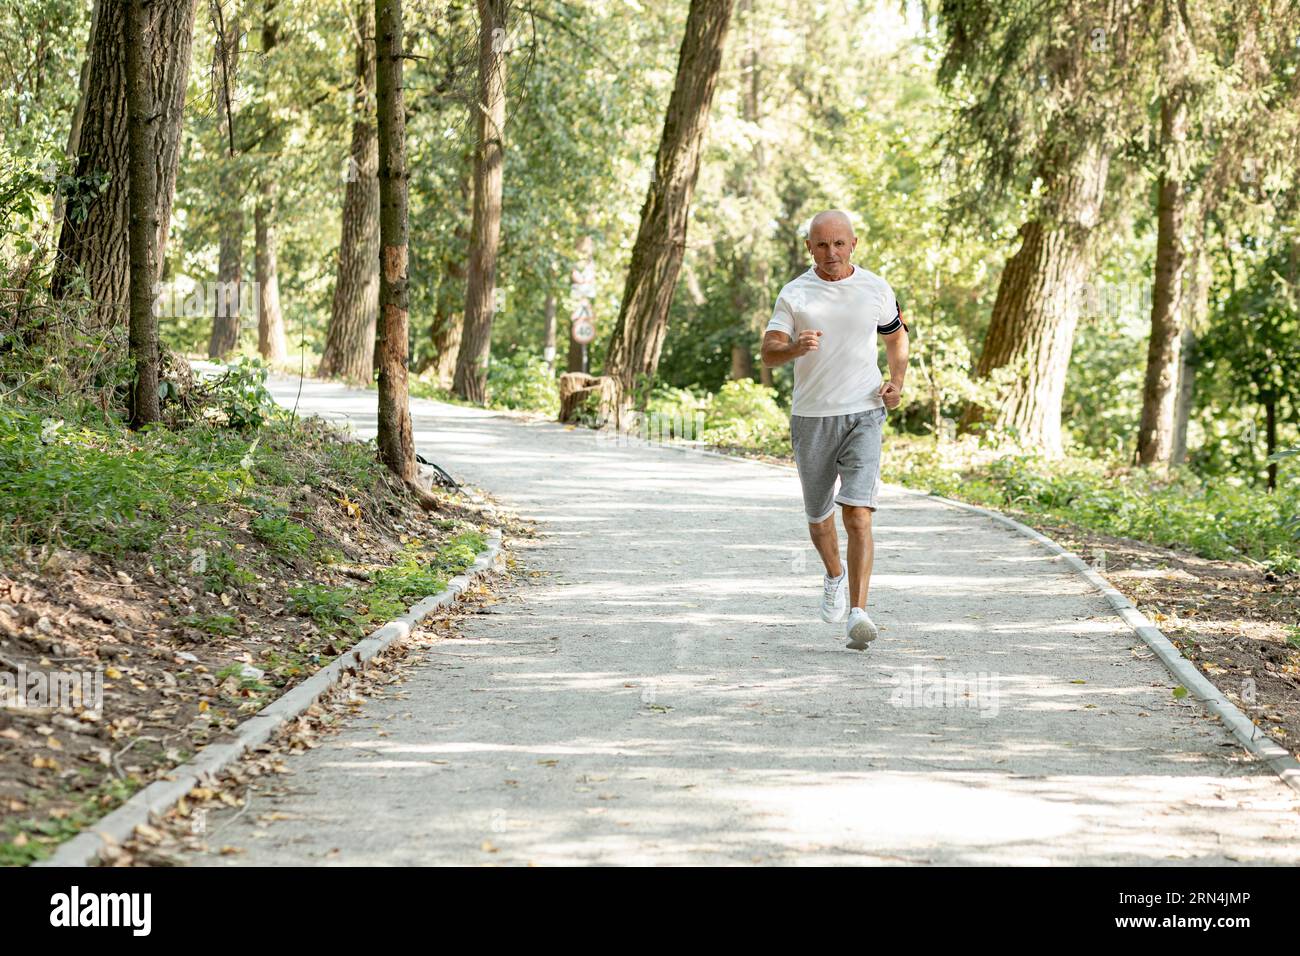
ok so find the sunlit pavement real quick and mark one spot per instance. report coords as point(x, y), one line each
point(664, 692)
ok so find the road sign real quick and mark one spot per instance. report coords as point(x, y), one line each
point(583, 331)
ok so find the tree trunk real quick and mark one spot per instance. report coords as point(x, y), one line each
point(230, 264)
point(448, 317)
point(754, 306)
point(548, 332)
point(446, 342)
point(1186, 396)
point(230, 285)
point(490, 116)
point(1197, 304)
point(449, 309)
point(742, 362)
point(270, 320)
point(585, 397)
point(1156, 431)
point(743, 299)
point(396, 444)
point(1036, 309)
point(96, 248)
point(661, 239)
point(142, 224)
point(577, 355)
point(1270, 439)
point(350, 339)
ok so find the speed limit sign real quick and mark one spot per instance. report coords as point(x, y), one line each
point(583, 331)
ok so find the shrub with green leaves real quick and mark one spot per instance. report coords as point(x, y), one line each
point(241, 395)
point(524, 381)
point(746, 414)
point(282, 535)
point(1220, 519)
point(102, 488)
point(742, 414)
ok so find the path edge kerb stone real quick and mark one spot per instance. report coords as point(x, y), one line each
point(1277, 757)
point(1188, 674)
point(161, 795)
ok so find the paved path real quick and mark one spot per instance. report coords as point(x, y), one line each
point(663, 692)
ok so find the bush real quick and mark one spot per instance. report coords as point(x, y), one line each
point(102, 488)
point(745, 414)
point(240, 394)
point(522, 381)
point(1216, 519)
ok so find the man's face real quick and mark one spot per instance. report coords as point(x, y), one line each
point(831, 243)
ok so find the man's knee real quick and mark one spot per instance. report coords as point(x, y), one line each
point(857, 519)
point(823, 527)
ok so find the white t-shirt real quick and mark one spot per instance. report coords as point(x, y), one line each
point(842, 375)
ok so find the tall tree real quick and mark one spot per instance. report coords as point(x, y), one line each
point(350, 338)
point(1034, 316)
point(1044, 87)
point(96, 248)
point(1156, 431)
point(396, 444)
point(1226, 113)
point(448, 322)
point(750, 286)
point(485, 233)
point(271, 343)
point(230, 197)
point(143, 222)
point(642, 323)
point(270, 319)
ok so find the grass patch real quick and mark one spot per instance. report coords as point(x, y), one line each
point(1220, 520)
point(98, 487)
point(349, 611)
point(29, 840)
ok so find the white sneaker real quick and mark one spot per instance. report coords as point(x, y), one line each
point(834, 597)
point(860, 630)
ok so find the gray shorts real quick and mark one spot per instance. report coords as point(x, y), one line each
point(847, 446)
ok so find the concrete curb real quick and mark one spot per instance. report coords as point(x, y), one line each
point(1184, 671)
point(1277, 757)
point(161, 795)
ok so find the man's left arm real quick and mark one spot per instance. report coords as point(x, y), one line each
point(894, 332)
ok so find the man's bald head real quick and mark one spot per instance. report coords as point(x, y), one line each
point(831, 242)
point(834, 218)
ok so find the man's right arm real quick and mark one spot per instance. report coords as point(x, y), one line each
point(778, 348)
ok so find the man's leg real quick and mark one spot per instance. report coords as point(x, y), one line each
point(828, 545)
point(862, 552)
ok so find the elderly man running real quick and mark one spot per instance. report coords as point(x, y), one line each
point(826, 322)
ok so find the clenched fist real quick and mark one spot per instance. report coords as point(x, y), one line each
point(806, 342)
point(892, 394)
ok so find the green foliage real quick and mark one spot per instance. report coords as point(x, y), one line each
point(249, 683)
point(458, 553)
point(745, 413)
point(45, 834)
point(328, 607)
point(224, 624)
point(241, 395)
point(350, 611)
point(1216, 519)
point(742, 414)
point(524, 381)
point(1251, 357)
point(103, 489)
point(224, 573)
point(282, 535)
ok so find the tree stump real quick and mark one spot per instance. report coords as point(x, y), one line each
point(586, 399)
